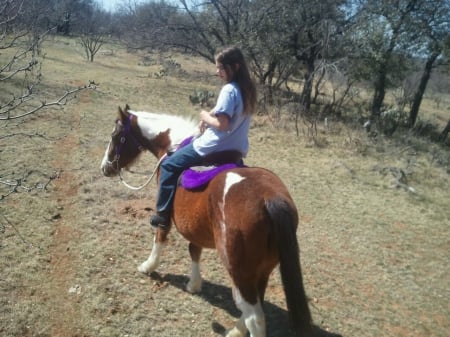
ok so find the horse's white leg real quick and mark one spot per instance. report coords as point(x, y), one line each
point(153, 260)
point(239, 329)
point(195, 280)
point(252, 318)
point(255, 320)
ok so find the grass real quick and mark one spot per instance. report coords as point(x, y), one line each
point(375, 257)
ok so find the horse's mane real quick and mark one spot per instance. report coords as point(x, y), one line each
point(151, 124)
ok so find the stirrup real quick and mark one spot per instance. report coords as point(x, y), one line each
point(160, 221)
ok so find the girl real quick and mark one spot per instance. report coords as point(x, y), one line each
point(224, 128)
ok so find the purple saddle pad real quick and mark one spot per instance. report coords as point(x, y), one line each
point(196, 177)
point(199, 176)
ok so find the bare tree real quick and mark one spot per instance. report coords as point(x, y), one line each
point(95, 32)
point(433, 26)
point(91, 44)
point(372, 42)
point(20, 41)
point(21, 37)
point(70, 15)
point(381, 44)
point(282, 38)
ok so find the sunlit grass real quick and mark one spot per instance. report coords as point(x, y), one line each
point(374, 255)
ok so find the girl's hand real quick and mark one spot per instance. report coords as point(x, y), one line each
point(202, 126)
point(205, 115)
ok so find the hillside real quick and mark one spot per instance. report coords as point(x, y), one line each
point(374, 233)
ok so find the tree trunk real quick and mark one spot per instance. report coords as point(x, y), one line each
point(267, 81)
point(383, 69)
point(445, 132)
point(421, 89)
point(317, 86)
point(307, 86)
point(380, 91)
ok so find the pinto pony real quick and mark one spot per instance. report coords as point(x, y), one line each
point(245, 213)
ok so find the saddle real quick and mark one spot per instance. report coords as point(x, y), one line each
point(198, 176)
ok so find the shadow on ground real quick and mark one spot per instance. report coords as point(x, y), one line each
point(221, 297)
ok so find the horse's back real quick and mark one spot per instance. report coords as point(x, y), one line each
point(253, 187)
point(240, 195)
point(233, 214)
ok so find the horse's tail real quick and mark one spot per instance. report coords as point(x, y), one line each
point(285, 218)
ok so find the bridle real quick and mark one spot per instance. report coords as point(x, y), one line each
point(126, 133)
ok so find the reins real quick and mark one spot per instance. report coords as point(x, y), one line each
point(127, 132)
point(134, 188)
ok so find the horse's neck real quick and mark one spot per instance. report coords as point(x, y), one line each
point(164, 131)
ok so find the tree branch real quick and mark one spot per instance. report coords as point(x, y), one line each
point(59, 102)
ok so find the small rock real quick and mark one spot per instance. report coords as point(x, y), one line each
point(76, 289)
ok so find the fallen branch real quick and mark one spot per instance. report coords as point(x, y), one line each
point(29, 135)
point(8, 223)
point(400, 177)
point(16, 185)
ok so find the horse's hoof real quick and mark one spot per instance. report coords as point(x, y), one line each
point(234, 333)
point(143, 269)
point(193, 288)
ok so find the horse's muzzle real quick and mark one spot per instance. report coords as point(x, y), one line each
point(108, 168)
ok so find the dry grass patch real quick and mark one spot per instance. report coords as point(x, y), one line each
point(375, 256)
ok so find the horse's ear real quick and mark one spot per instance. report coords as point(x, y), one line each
point(123, 114)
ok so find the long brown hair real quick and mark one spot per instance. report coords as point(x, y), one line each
point(236, 68)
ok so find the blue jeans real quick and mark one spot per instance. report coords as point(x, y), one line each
point(171, 168)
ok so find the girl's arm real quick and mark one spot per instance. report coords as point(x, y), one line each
point(219, 122)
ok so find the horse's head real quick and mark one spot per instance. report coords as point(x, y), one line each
point(136, 131)
point(128, 141)
point(123, 148)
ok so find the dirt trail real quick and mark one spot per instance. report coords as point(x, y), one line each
point(63, 255)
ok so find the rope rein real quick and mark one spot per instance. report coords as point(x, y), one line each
point(148, 180)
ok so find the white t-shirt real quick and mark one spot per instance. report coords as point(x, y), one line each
point(230, 103)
